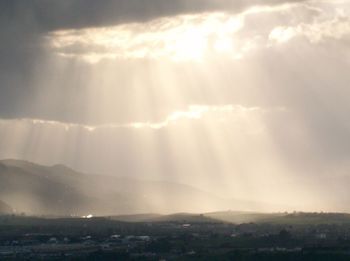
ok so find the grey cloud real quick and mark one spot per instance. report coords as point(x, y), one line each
point(53, 15)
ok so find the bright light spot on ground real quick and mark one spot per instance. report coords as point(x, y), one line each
point(88, 216)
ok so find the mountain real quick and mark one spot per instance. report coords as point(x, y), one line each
point(58, 190)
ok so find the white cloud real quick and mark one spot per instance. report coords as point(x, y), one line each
point(199, 36)
point(336, 28)
point(282, 34)
point(194, 112)
point(334, 24)
point(182, 37)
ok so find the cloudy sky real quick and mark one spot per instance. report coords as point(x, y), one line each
point(242, 98)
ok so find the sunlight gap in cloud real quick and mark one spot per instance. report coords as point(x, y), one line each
point(186, 37)
point(179, 38)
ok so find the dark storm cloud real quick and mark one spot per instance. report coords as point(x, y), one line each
point(53, 15)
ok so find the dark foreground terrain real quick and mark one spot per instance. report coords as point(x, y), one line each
point(214, 236)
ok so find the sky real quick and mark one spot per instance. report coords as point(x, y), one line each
point(241, 98)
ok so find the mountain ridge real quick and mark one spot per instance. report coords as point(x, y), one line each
point(60, 190)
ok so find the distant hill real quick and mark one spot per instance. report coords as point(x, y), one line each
point(235, 217)
point(241, 217)
point(59, 190)
point(177, 217)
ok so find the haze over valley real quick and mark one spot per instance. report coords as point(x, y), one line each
point(60, 191)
